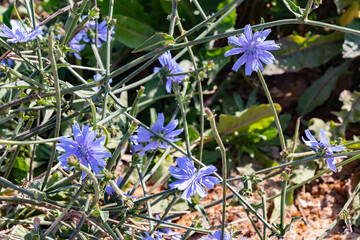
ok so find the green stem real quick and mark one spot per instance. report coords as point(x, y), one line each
point(283, 205)
point(173, 17)
point(346, 205)
point(215, 132)
point(108, 57)
point(64, 212)
point(263, 200)
point(202, 13)
point(95, 185)
point(58, 103)
point(179, 99)
point(273, 109)
point(308, 9)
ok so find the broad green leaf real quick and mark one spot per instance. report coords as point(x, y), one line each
point(229, 21)
point(319, 91)
point(341, 4)
point(217, 56)
point(157, 40)
point(21, 163)
point(131, 32)
point(255, 117)
point(6, 16)
point(350, 46)
point(298, 52)
point(303, 172)
point(18, 84)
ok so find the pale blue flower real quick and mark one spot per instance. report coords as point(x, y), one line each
point(323, 148)
point(152, 142)
point(217, 236)
point(169, 232)
point(85, 148)
point(6, 62)
point(19, 34)
point(102, 32)
point(148, 237)
point(98, 76)
point(76, 45)
point(171, 67)
point(255, 50)
point(191, 180)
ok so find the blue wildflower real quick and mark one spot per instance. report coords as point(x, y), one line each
point(75, 44)
point(191, 180)
point(110, 190)
point(144, 136)
point(217, 236)
point(255, 49)
point(102, 32)
point(6, 62)
point(84, 148)
point(148, 237)
point(19, 34)
point(323, 148)
point(171, 67)
point(169, 232)
point(98, 76)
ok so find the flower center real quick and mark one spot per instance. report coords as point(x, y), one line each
point(84, 151)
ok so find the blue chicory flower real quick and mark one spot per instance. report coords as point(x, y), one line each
point(110, 190)
point(98, 76)
point(19, 34)
point(84, 148)
point(169, 232)
point(323, 148)
point(102, 32)
point(172, 67)
point(6, 62)
point(217, 236)
point(75, 44)
point(148, 237)
point(191, 180)
point(144, 136)
point(255, 50)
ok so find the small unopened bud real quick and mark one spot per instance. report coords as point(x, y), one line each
point(72, 161)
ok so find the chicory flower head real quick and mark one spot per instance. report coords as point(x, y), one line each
point(323, 148)
point(85, 148)
point(191, 180)
point(145, 137)
point(148, 237)
point(169, 232)
point(255, 50)
point(102, 32)
point(98, 76)
point(19, 34)
point(75, 44)
point(217, 236)
point(171, 67)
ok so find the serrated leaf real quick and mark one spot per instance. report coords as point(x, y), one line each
point(18, 84)
point(351, 43)
point(255, 117)
point(131, 32)
point(298, 52)
point(320, 90)
point(155, 41)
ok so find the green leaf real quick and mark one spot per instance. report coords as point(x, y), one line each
point(255, 117)
point(351, 43)
point(303, 172)
point(229, 21)
point(320, 90)
point(298, 52)
point(18, 84)
point(157, 40)
point(7, 15)
point(131, 32)
point(217, 56)
point(21, 164)
point(295, 9)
